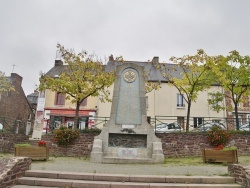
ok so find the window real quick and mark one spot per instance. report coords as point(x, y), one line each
point(60, 99)
point(84, 102)
point(180, 100)
point(198, 121)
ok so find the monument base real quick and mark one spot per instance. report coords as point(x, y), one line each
point(104, 152)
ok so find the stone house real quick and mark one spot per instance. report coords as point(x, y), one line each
point(16, 114)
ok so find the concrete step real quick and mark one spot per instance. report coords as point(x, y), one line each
point(69, 179)
point(130, 178)
point(31, 181)
point(116, 160)
point(27, 186)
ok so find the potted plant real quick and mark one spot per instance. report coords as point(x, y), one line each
point(218, 138)
point(39, 152)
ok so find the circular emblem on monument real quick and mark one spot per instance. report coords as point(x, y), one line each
point(129, 76)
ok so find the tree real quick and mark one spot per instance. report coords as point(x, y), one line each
point(233, 74)
point(84, 76)
point(194, 76)
point(5, 84)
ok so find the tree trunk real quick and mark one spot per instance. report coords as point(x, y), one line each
point(236, 116)
point(76, 119)
point(188, 115)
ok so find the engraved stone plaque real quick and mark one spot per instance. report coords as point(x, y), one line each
point(128, 140)
point(127, 152)
point(128, 126)
point(129, 107)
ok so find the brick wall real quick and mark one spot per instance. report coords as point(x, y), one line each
point(11, 169)
point(188, 144)
point(7, 141)
point(179, 145)
point(241, 173)
point(82, 146)
point(14, 104)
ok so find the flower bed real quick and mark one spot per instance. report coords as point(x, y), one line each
point(211, 155)
point(34, 152)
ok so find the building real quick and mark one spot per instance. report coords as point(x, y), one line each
point(53, 110)
point(164, 105)
point(16, 114)
point(32, 98)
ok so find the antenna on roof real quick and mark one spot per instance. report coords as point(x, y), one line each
point(13, 67)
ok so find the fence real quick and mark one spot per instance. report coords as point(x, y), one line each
point(89, 122)
point(197, 124)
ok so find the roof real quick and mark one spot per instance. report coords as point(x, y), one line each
point(56, 70)
point(154, 74)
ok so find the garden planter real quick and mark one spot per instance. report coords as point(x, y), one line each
point(34, 152)
point(229, 156)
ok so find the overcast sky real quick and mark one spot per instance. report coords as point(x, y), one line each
point(136, 29)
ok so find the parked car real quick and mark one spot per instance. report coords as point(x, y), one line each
point(207, 126)
point(163, 125)
point(168, 127)
point(245, 127)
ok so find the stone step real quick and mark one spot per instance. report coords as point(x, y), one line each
point(28, 186)
point(130, 178)
point(116, 160)
point(31, 181)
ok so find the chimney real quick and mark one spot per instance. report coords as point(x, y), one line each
point(155, 60)
point(58, 62)
point(111, 58)
point(16, 78)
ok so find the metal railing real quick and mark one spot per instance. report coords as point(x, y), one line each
point(197, 124)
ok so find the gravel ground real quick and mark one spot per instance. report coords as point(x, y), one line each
point(71, 164)
point(171, 167)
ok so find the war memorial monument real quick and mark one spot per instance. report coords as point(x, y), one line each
point(127, 137)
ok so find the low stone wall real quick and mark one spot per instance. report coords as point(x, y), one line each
point(174, 144)
point(241, 173)
point(11, 169)
point(190, 144)
point(7, 141)
point(81, 147)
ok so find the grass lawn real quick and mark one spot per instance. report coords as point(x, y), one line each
point(182, 161)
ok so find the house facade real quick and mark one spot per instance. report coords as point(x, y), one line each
point(164, 105)
point(54, 110)
point(16, 114)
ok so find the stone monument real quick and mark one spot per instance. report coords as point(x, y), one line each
point(127, 137)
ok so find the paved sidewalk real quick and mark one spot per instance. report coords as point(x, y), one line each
point(72, 164)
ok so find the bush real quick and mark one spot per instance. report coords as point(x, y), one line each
point(217, 136)
point(91, 130)
point(64, 136)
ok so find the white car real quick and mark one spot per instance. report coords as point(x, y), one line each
point(166, 128)
point(207, 126)
point(245, 127)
